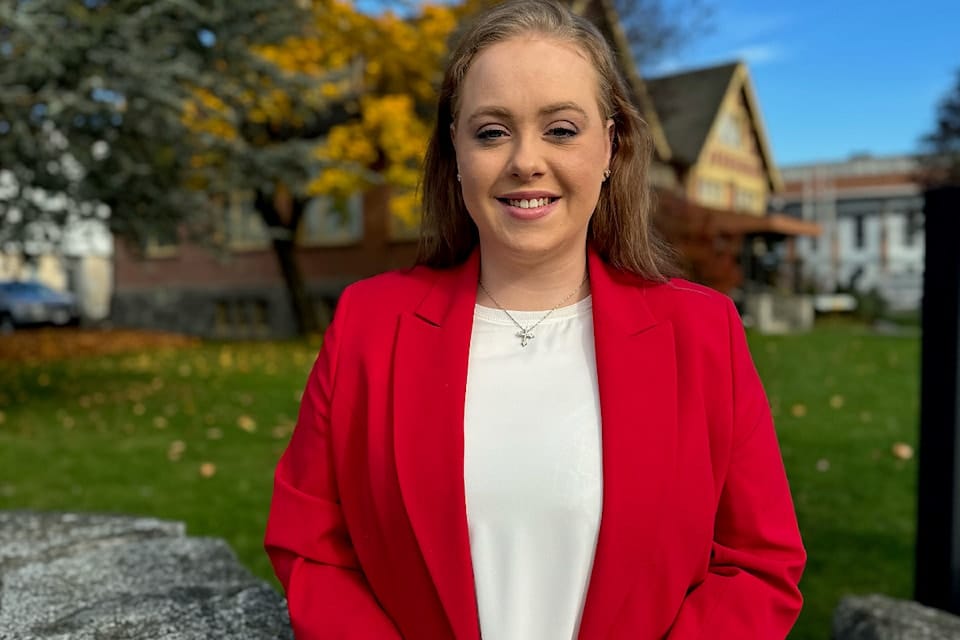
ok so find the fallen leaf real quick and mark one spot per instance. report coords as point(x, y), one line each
point(176, 450)
point(214, 434)
point(823, 465)
point(281, 431)
point(836, 401)
point(208, 470)
point(798, 410)
point(902, 450)
point(160, 422)
point(247, 423)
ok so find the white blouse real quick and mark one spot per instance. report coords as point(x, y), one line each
point(532, 470)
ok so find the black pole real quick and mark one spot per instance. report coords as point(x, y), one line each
point(938, 500)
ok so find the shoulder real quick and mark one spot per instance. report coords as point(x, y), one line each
point(705, 323)
point(391, 291)
point(687, 303)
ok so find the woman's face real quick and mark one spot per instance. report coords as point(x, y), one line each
point(532, 146)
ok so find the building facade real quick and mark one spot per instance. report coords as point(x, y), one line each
point(871, 212)
point(720, 152)
point(232, 286)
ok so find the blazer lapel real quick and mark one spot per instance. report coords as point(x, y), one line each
point(429, 380)
point(636, 370)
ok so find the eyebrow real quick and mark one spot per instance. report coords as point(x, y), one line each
point(550, 109)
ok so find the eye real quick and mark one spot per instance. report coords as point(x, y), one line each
point(491, 133)
point(562, 131)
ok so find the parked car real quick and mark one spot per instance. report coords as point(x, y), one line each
point(30, 303)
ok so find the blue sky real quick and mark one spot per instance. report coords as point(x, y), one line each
point(836, 78)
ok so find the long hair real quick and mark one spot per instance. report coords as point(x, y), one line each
point(621, 228)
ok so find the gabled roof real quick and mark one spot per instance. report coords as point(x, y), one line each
point(689, 102)
point(603, 14)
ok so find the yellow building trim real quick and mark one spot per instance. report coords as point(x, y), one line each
point(734, 169)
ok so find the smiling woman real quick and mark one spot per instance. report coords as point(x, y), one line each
point(532, 162)
point(535, 433)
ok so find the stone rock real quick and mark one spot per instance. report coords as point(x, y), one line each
point(89, 577)
point(877, 617)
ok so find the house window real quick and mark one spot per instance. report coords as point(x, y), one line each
point(241, 318)
point(161, 242)
point(859, 233)
point(259, 317)
point(745, 200)
point(912, 225)
point(245, 227)
point(729, 132)
point(710, 192)
point(331, 222)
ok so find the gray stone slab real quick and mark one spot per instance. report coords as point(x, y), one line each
point(117, 578)
point(877, 617)
point(27, 536)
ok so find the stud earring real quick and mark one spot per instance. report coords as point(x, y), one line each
point(606, 174)
point(458, 178)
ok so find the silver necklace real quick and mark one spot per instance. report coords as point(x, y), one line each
point(526, 333)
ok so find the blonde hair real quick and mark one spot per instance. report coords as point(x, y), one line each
point(621, 228)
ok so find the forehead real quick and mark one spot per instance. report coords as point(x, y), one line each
point(528, 71)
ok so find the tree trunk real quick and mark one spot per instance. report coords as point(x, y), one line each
point(282, 214)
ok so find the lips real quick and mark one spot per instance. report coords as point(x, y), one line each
point(528, 206)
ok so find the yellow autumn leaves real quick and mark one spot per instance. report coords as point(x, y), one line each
point(389, 134)
point(386, 65)
point(402, 60)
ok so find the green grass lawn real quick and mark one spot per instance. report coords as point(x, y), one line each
point(842, 399)
point(193, 434)
point(190, 434)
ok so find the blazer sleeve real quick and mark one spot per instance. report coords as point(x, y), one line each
point(757, 558)
point(307, 539)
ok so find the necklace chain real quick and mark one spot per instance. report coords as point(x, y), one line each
point(526, 333)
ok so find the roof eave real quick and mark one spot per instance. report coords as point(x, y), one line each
point(773, 173)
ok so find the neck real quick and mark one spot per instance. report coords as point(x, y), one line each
point(525, 285)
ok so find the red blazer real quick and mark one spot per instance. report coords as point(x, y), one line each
point(698, 538)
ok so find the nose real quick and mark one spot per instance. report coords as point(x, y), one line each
point(526, 160)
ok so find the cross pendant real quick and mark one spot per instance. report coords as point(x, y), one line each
point(525, 336)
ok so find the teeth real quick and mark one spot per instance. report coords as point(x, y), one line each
point(534, 203)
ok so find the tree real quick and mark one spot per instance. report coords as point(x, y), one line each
point(656, 29)
point(157, 109)
point(940, 160)
point(380, 71)
point(100, 115)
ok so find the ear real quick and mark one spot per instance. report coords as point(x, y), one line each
point(611, 132)
point(453, 136)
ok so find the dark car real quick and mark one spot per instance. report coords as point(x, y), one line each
point(29, 303)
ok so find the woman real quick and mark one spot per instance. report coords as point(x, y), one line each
point(535, 434)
